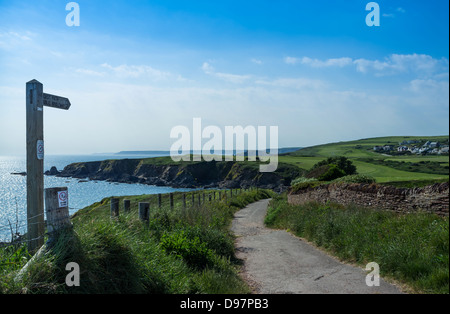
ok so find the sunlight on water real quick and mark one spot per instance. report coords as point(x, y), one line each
point(81, 194)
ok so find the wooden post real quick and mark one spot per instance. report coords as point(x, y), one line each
point(114, 207)
point(184, 200)
point(144, 212)
point(193, 199)
point(159, 200)
point(220, 195)
point(210, 197)
point(35, 164)
point(35, 102)
point(126, 206)
point(171, 200)
point(56, 210)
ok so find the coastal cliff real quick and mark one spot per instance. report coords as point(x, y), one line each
point(164, 172)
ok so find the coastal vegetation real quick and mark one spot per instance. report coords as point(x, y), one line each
point(179, 250)
point(384, 168)
point(412, 249)
point(191, 250)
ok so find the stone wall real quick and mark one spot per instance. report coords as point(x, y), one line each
point(433, 198)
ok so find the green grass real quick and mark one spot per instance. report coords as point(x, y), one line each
point(361, 151)
point(412, 249)
point(179, 251)
point(423, 166)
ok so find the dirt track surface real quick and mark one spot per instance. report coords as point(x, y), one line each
point(276, 262)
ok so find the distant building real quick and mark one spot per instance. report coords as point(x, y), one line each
point(434, 144)
point(378, 148)
point(444, 150)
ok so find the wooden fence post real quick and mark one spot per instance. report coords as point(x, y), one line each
point(144, 212)
point(126, 206)
point(193, 199)
point(171, 200)
point(184, 200)
point(57, 211)
point(114, 207)
point(35, 164)
point(159, 200)
point(36, 99)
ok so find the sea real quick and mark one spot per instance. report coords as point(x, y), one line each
point(13, 188)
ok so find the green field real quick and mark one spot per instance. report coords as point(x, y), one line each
point(360, 150)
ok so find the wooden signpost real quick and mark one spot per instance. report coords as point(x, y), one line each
point(35, 102)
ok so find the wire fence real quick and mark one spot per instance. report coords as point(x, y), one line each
point(17, 230)
point(172, 200)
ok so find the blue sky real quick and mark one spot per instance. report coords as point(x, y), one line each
point(135, 69)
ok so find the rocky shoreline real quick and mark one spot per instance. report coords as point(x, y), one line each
point(181, 175)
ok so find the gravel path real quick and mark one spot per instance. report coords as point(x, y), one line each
point(277, 262)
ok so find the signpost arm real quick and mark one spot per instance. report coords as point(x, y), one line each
point(35, 164)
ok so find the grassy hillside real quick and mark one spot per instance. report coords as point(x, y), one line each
point(383, 167)
point(180, 250)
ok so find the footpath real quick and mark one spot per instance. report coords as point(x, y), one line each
point(276, 262)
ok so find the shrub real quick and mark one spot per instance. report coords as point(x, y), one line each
point(341, 162)
point(316, 172)
point(306, 185)
point(355, 178)
point(302, 180)
point(194, 252)
point(333, 172)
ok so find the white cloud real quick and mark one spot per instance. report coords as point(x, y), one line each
point(136, 71)
point(291, 60)
point(90, 72)
point(207, 68)
point(232, 78)
point(16, 35)
point(296, 83)
point(396, 63)
point(429, 85)
point(10, 40)
point(335, 62)
point(420, 64)
point(316, 63)
point(392, 15)
point(256, 61)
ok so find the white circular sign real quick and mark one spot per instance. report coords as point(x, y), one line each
point(62, 199)
point(40, 149)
